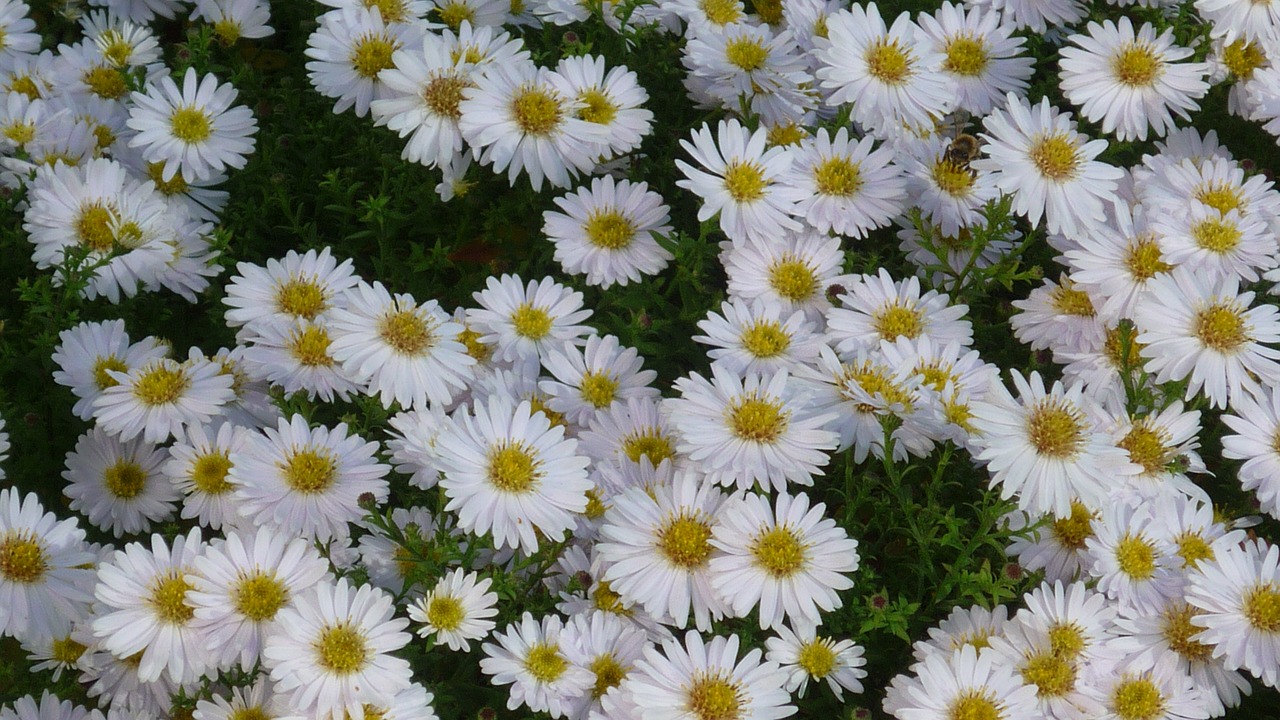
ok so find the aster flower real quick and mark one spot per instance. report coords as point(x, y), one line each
point(509, 472)
point(1135, 564)
point(423, 95)
point(199, 465)
point(847, 188)
point(808, 656)
point(118, 485)
point(742, 181)
point(965, 682)
point(296, 287)
point(609, 647)
point(981, 56)
point(1037, 156)
point(529, 657)
point(457, 610)
point(298, 356)
point(964, 626)
point(332, 651)
point(1256, 422)
point(701, 677)
point(795, 270)
point(611, 101)
point(86, 352)
point(1131, 80)
point(161, 398)
point(524, 321)
point(45, 580)
point(610, 231)
point(352, 45)
point(759, 337)
point(875, 308)
point(1191, 327)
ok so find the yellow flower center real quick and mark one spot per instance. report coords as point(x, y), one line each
point(793, 279)
point(685, 541)
point(452, 13)
point(371, 54)
point(765, 339)
point(406, 332)
point(545, 663)
point(227, 30)
point(1052, 674)
point(513, 468)
point(310, 346)
point(1220, 327)
point(476, 349)
point(1055, 429)
point(605, 599)
point(744, 181)
point(952, 178)
point(103, 137)
point(1262, 607)
point(975, 705)
point(712, 697)
point(1136, 556)
point(609, 674)
point(888, 62)
point(1055, 156)
point(1192, 548)
point(816, 658)
point(966, 55)
point(173, 186)
point(1115, 348)
point(1137, 699)
point(22, 558)
point(209, 473)
point(1146, 446)
point(1222, 197)
point(190, 124)
point(105, 82)
point(259, 596)
point(115, 48)
point(599, 389)
point(531, 322)
point(67, 651)
point(597, 107)
point(838, 176)
point(894, 321)
point(392, 11)
point(746, 53)
point(721, 12)
point(1242, 58)
point(1216, 235)
point(787, 134)
point(301, 297)
point(168, 599)
point(94, 227)
point(161, 384)
point(469, 54)
point(125, 479)
point(26, 85)
point(1070, 301)
point(445, 612)
point(20, 133)
point(443, 94)
point(1073, 531)
point(1144, 259)
point(254, 713)
point(1179, 632)
point(650, 443)
point(1137, 64)
point(310, 471)
point(874, 380)
point(596, 507)
point(341, 649)
point(100, 367)
point(769, 11)
point(779, 552)
point(756, 419)
point(536, 110)
point(609, 229)
point(1066, 640)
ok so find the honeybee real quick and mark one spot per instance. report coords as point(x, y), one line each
point(962, 150)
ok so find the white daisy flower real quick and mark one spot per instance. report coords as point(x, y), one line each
point(1044, 447)
point(1057, 548)
point(1237, 597)
point(807, 656)
point(457, 610)
point(297, 355)
point(1038, 15)
point(612, 101)
point(524, 321)
point(966, 683)
point(161, 399)
point(1191, 327)
point(1256, 422)
point(949, 193)
point(1240, 20)
point(656, 550)
point(235, 19)
point(46, 578)
point(87, 352)
point(981, 56)
point(606, 645)
point(239, 586)
point(972, 626)
point(892, 77)
point(847, 188)
point(755, 429)
point(480, 13)
point(1230, 244)
point(1116, 263)
point(794, 270)
point(595, 378)
point(1058, 317)
point(404, 351)
point(19, 31)
point(1076, 620)
point(530, 657)
point(349, 49)
point(145, 610)
point(261, 698)
point(306, 481)
point(1156, 441)
point(1036, 155)
point(199, 465)
point(424, 91)
point(124, 42)
point(516, 118)
point(788, 559)
point(297, 286)
point(1160, 692)
point(118, 485)
point(742, 181)
point(1028, 649)
point(876, 308)
point(194, 130)
point(759, 337)
point(509, 472)
point(630, 434)
point(1131, 80)
point(708, 679)
point(332, 650)
point(1134, 563)
point(412, 444)
point(610, 231)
